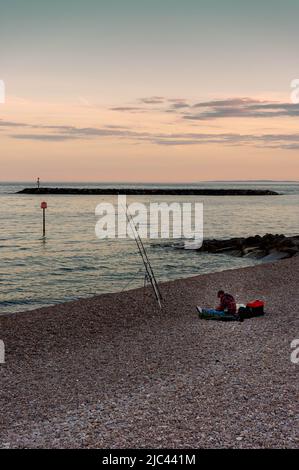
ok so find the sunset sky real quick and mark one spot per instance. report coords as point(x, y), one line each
point(149, 90)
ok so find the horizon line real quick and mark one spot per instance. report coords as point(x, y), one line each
point(151, 182)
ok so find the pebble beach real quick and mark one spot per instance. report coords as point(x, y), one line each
point(113, 371)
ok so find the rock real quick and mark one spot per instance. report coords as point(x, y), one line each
point(269, 246)
point(151, 191)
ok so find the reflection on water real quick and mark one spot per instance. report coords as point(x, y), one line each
point(73, 263)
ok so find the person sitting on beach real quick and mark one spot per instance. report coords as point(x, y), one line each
point(227, 305)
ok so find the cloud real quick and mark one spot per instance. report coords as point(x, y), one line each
point(113, 126)
point(153, 100)
point(202, 111)
point(179, 105)
point(43, 137)
point(148, 104)
point(279, 141)
point(288, 146)
point(70, 132)
point(64, 133)
point(131, 109)
point(227, 102)
point(237, 107)
point(240, 108)
point(12, 124)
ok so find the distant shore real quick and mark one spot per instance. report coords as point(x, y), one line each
point(151, 191)
point(114, 371)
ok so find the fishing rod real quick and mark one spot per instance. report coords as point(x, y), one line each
point(148, 261)
point(148, 267)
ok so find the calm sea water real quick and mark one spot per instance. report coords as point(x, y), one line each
point(73, 263)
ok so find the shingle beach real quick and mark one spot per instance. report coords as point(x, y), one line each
point(115, 372)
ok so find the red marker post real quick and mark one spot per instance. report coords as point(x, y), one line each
point(44, 206)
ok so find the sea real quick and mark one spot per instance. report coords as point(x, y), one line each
point(71, 262)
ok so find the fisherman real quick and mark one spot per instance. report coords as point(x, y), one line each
point(227, 306)
point(227, 303)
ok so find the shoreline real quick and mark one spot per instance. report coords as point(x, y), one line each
point(109, 372)
point(272, 257)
